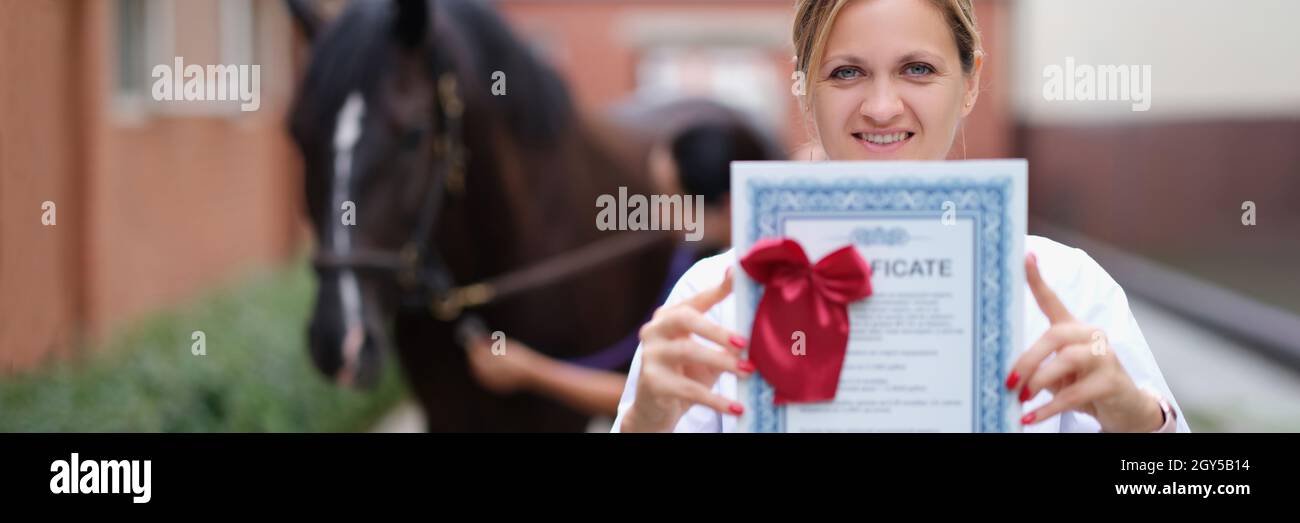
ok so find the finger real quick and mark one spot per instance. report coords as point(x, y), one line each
point(1047, 300)
point(1075, 360)
point(687, 352)
point(692, 391)
point(691, 321)
point(706, 300)
point(1070, 398)
point(1056, 337)
point(679, 321)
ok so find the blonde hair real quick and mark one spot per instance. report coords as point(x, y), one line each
point(814, 18)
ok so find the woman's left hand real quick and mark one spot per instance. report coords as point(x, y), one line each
point(1084, 376)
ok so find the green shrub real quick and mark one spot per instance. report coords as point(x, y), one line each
point(256, 376)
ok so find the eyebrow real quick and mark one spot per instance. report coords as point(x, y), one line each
point(913, 56)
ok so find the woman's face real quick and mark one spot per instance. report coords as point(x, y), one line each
point(890, 85)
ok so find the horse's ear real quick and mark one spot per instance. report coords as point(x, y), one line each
point(412, 22)
point(305, 17)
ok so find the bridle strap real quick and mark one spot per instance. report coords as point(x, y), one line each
point(560, 267)
point(549, 271)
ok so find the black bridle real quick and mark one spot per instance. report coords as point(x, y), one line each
point(418, 266)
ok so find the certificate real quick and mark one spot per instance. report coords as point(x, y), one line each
point(929, 349)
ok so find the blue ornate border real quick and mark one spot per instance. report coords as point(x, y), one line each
point(984, 200)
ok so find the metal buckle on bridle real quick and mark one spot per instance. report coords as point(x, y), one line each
point(450, 306)
point(447, 95)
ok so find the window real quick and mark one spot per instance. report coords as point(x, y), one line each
point(154, 32)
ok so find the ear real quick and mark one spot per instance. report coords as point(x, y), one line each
point(973, 85)
point(412, 22)
point(305, 17)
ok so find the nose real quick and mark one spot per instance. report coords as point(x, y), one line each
point(347, 354)
point(882, 103)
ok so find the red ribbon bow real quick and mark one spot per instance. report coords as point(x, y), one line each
point(812, 299)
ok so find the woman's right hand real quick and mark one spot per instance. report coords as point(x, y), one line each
point(678, 372)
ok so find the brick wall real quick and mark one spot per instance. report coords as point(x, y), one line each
point(152, 208)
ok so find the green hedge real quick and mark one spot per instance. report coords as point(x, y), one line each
point(256, 376)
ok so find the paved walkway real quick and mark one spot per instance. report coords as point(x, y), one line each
point(406, 417)
point(1222, 385)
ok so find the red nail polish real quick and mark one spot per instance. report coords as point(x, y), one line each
point(1029, 418)
point(1024, 394)
point(736, 409)
point(738, 342)
point(745, 366)
point(1013, 379)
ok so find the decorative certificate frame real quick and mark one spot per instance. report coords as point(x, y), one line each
point(991, 199)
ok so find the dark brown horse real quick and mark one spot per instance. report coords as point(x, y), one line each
point(450, 183)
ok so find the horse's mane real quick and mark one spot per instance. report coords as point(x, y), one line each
point(537, 99)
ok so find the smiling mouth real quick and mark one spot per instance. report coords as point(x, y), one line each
point(885, 139)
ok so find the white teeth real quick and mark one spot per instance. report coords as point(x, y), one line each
point(883, 139)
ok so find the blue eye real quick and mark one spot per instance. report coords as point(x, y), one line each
point(918, 69)
point(838, 74)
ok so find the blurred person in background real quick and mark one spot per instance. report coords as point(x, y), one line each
point(694, 160)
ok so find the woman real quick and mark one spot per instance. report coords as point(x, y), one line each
point(892, 80)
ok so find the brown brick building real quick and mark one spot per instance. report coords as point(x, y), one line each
point(154, 201)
